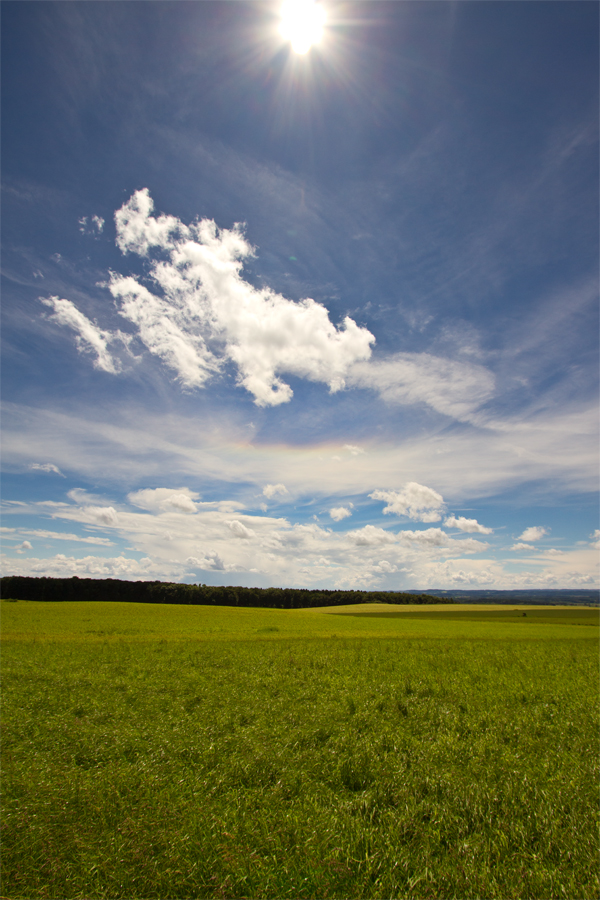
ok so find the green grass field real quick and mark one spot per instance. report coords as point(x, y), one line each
point(183, 752)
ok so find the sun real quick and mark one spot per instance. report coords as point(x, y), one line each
point(302, 24)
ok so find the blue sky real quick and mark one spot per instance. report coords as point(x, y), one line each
point(320, 320)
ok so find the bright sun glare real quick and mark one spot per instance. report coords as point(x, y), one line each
point(302, 24)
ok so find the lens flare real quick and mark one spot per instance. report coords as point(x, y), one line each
point(302, 24)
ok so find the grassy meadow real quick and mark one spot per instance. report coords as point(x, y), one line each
point(183, 752)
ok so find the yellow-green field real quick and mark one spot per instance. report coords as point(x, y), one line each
point(101, 621)
point(367, 751)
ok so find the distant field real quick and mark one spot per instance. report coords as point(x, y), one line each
point(519, 615)
point(186, 752)
point(92, 621)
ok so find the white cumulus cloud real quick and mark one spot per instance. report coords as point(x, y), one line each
point(240, 530)
point(93, 225)
point(181, 502)
point(165, 500)
point(339, 512)
point(103, 515)
point(535, 533)
point(211, 562)
point(416, 501)
point(196, 312)
point(270, 490)
point(471, 526)
point(202, 311)
point(435, 538)
point(166, 331)
point(370, 535)
point(61, 566)
point(385, 567)
point(431, 537)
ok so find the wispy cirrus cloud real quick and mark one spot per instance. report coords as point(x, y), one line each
point(46, 467)
point(46, 535)
point(90, 338)
point(123, 444)
point(451, 387)
point(353, 449)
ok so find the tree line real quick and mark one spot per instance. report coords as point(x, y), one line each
point(19, 587)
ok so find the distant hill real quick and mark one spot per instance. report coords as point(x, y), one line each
point(583, 597)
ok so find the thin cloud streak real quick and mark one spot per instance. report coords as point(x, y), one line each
point(560, 449)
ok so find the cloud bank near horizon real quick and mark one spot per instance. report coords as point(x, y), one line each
point(174, 534)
